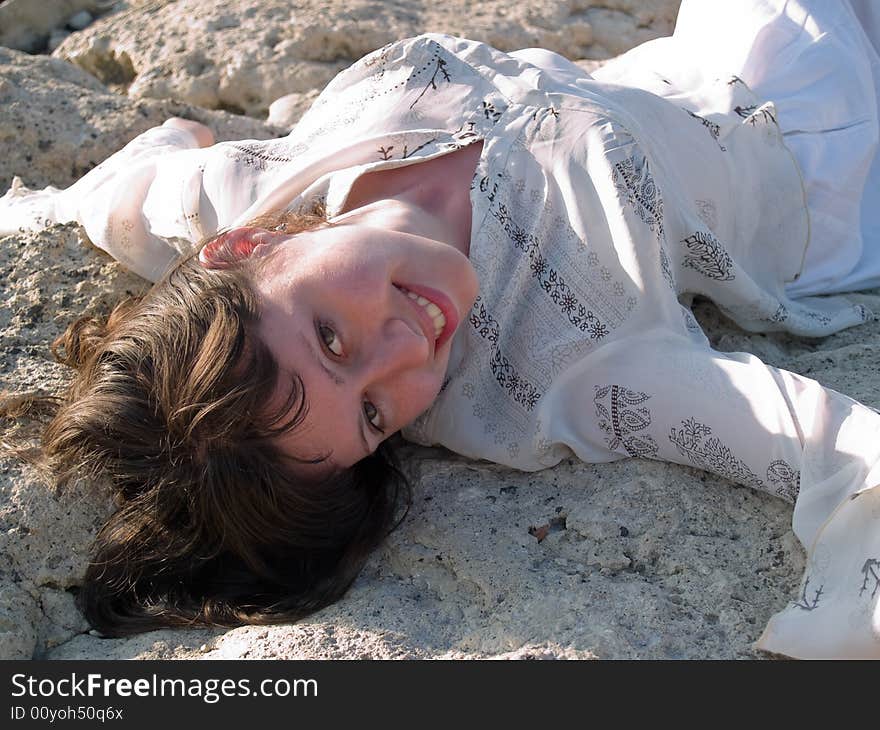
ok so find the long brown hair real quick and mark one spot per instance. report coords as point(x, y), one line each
point(212, 526)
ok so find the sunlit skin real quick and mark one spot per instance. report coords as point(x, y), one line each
point(334, 314)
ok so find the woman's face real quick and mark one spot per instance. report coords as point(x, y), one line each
point(335, 312)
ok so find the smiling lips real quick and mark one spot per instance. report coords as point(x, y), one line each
point(434, 312)
point(437, 313)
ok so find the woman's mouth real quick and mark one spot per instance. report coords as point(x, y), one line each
point(439, 309)
point(434, 312)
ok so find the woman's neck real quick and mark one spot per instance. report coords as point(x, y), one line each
point(429, 199)
point(405, 215)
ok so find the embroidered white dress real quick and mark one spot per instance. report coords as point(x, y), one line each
point(600, 207)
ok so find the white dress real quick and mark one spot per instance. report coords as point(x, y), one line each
point(601, 206)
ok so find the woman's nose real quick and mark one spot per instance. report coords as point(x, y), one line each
point(398, 348)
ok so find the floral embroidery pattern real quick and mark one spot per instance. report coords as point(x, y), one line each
point(463, 136)
point(483, 184)
point(713, 128)
point(754, 114)
point(871, 569)
point(633, 180)
point(708, 257)
point(666, 269)
point(711, 454)
point(817, 317)
point(805, 603)
point(780, 315)
point(490, 111)
point(518, 387)
point(551, 282)
point(483, 322)
point(865, 313)
point(622, 419)
point(385, 152)
point(380, 58)
point(785, 479)
point(410, 152)
point(439, 69)
point(767, 309)
point(256, 155)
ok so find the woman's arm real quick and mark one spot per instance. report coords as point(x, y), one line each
point(149, 202)
point(144, 204)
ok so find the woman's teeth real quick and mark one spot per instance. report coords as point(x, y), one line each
point(432, 309)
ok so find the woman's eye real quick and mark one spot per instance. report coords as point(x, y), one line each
point(329, 337)
point(371, 412)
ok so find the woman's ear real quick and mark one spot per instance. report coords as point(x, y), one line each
point(229, 249)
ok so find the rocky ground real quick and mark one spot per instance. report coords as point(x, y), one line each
point(637, 559)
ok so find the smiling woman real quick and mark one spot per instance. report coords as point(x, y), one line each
point(215, 523)
point(335, 311)
point(363, 308)
point(505, 267)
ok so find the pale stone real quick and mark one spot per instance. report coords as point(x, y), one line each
point(60, 622)
point(58, 121)
point(19, 616)
point(80, 20)
point(55, 39)
point(286, 110)
point(242, 56)
point(26, 25)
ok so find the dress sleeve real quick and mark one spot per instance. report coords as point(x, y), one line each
point(144, 205)
point(663, 396)
point(660, 391)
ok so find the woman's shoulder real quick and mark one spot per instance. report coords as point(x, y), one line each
point(444, 66)
point(389, 67)
point(429, 53)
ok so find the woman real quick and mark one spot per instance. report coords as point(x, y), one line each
point(505, 267)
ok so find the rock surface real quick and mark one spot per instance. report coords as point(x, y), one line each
point(26, 25)
point(637, 558)
point(57, 121)
point(242, 57)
